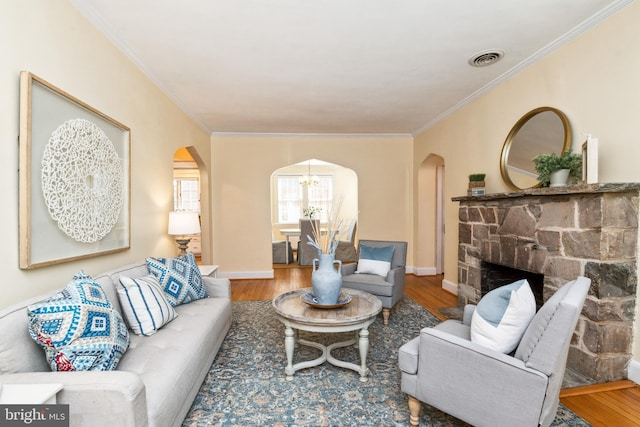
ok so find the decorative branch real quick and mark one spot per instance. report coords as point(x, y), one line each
point(326, 243)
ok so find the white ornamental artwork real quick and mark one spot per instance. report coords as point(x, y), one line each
point(82, 180)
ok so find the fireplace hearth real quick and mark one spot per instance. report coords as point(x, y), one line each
point(557, 234)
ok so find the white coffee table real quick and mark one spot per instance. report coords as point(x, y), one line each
point(354, 316)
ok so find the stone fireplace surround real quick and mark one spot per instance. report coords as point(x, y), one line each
point(583, 230)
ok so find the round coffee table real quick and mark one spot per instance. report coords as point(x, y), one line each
point(297, 315)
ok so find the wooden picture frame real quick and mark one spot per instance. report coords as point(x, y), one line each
point(74, 178)
point(590, 161)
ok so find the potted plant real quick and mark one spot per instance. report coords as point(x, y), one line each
point(476, 184)
point(550, 164)
point(310, 212)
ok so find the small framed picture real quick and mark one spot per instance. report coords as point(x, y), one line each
point(590, 160)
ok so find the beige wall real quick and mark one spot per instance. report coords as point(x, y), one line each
point(593, 80)
point(50, 39)
point(242, 166)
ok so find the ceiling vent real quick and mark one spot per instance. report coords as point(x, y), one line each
point(486, 57)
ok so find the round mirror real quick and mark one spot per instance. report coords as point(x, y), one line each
point(544, 130)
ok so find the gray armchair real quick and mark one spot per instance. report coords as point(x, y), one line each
point(444, 369)
point(388, 289)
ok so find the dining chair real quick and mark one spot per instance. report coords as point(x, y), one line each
point(346, 249)
point(307, 253)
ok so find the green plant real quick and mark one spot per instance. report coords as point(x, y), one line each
point(310, 211)
point(546, 164)
point(474, 177)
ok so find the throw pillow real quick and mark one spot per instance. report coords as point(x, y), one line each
point(78, 328)
point(375, 260)
point(144, 305)
point(502, 316)
point(179, 278)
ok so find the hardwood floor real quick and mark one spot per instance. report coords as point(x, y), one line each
point(602, 405)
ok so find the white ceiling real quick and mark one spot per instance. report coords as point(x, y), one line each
point(333, 66)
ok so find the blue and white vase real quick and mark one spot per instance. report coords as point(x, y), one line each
point(326, 281)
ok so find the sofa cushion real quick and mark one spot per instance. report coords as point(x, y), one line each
point(371, 283)
point(78, 328)
point(502, 316)
point(375, 260)
point(18, 351)
point(187, 347)
point(144, 305)
point(179, 278)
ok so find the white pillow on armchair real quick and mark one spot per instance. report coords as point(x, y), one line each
point(502, 316)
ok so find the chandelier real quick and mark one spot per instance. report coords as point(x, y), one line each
point(308, 179)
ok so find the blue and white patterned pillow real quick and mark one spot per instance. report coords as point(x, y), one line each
point(179, 278)
point(502, 316)
point(78, 328)
point(144, 305)
point(375, 260)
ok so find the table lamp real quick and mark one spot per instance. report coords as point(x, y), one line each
point(182, 224)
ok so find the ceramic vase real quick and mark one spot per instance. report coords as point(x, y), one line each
point(326, 279)
point(559, 178)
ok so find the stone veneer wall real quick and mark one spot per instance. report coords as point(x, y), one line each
point(589, 230)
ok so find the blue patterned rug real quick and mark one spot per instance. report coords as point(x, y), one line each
point(246, 385)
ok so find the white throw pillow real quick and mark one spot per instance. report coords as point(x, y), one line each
point(502, 316)
point(145, 307)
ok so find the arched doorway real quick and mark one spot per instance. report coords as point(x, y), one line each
point(430, 224)
point(190, 193)
point(311, 184)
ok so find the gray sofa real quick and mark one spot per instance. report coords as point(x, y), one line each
point(156, 380)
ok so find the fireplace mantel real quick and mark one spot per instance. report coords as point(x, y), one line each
point(583, 230)
point(556, 191)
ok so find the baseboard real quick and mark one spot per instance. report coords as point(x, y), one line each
point(633, 372)
point(257, 274)
point(450, 286)
point(425, 271)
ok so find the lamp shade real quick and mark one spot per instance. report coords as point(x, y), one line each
point(183, 222)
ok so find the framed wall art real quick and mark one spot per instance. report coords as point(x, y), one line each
point(74, 177)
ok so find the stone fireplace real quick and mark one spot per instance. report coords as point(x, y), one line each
point(557, 234)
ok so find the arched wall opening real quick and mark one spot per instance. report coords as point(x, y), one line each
point(191, 183)
point(344, 188)
point(429, 247)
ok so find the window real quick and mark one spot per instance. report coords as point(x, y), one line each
point(289, 198)
point(186, 194)
point(320, 196)
point(292, 197)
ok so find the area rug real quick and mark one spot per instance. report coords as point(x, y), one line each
point(246, 385)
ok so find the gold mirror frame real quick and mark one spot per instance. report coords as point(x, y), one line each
point(543, 147)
